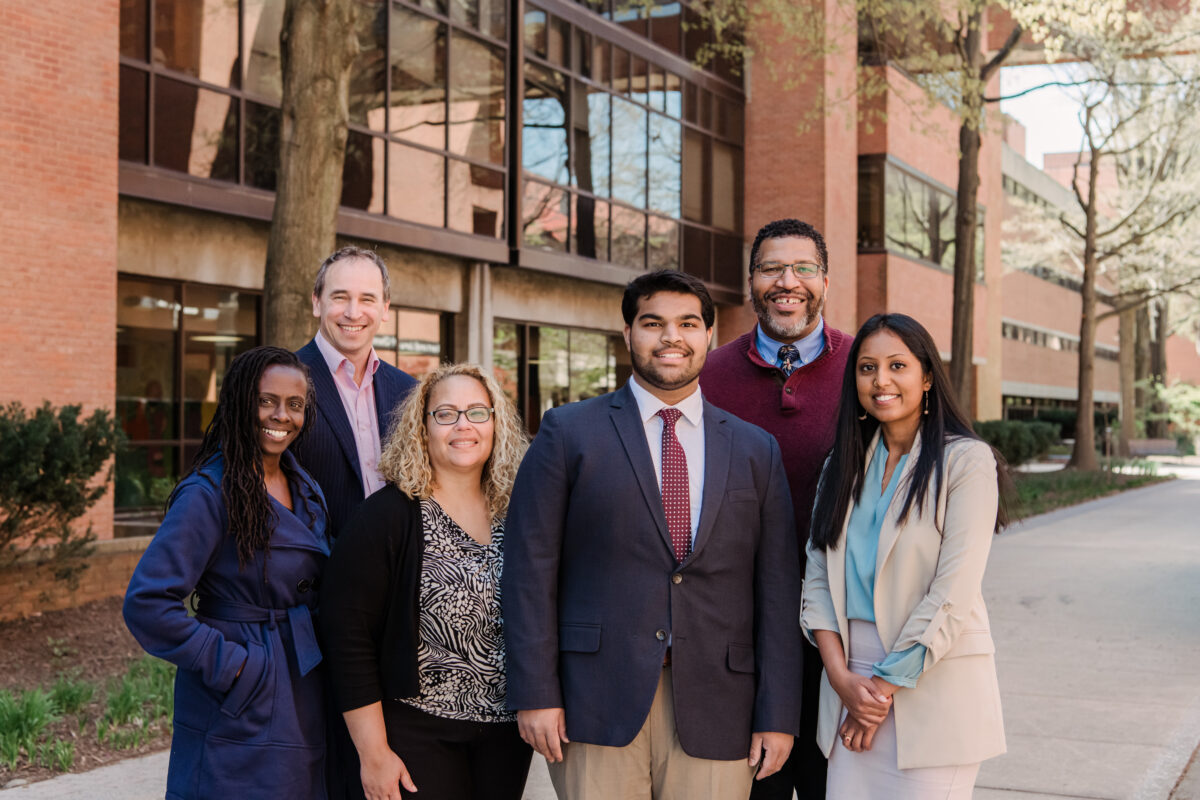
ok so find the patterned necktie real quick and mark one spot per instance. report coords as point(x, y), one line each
point(676, 502)
point(789, 356)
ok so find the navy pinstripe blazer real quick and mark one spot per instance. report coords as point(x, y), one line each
point(328, 451)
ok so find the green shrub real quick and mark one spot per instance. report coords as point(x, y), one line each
point(1017, 440)
point(70, 695)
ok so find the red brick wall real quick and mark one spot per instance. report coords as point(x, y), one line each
point(58, 205)
point(27, 588)
point(1183, 360)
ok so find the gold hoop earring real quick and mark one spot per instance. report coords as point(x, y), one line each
point(863, 415)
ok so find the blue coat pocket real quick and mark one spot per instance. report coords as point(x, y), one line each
point(251, 686)
point(576, 637)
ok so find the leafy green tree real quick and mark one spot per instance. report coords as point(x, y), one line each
point(49, 463)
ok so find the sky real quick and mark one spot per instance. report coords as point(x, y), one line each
point(1049, 115)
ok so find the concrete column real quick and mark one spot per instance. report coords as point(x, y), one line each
point(480, 315)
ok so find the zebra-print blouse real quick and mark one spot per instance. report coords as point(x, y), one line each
point(460, 658)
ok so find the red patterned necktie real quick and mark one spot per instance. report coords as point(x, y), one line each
point(676, 502)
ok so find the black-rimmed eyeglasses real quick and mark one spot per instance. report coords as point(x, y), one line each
point(449, 416)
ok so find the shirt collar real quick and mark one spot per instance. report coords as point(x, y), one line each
point(334, 358)
point(692, 406)
point(809, 347)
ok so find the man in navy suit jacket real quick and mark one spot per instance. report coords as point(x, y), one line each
point(355, 391)
point(651, 581)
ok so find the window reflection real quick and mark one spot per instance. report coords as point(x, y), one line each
point(545, 217)
point(666, 164)
point(362, 173)
point(218, 324)
point(694, 176)
point(262, 145)
point(485, 16)
point(416, 185)
point(726, 185)
point(697, 252)
point(662, 243)
point(195, 130)
point(544, 133)
point(133, 28)
point(592, 136)
point(476, 199)
point(198, 38)
point(477, 99)
point(629, 152)
point(368, 75)
point(132, 142)
point(412, 341)
point(418, 104)
point(261, 69)
point(628, 237)
point(589, 227)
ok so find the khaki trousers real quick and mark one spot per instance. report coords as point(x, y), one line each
point(651, 767)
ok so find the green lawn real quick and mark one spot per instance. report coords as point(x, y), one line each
point(1039, 492)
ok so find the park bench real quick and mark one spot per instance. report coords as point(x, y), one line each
point(1153, 447)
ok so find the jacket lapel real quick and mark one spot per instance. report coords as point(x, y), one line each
point(717, 453)
point(632, 433)
point(329, 405)
point(385, 400)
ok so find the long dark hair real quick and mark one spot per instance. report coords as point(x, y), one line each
point(842, 479)
point(233, 434)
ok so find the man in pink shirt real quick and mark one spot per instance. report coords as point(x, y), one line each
point(355, 391)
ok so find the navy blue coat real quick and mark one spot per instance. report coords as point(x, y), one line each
point(262, 736)
point(592, 592)
point(327, 450)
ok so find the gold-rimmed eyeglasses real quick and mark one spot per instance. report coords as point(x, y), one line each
point(801, 269)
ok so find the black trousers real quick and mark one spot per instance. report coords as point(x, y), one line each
point(448, 759)
point(804, 772)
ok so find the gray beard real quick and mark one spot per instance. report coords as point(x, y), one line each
point(793, 332)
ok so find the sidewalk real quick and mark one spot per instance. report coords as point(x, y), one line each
point(1094, 612)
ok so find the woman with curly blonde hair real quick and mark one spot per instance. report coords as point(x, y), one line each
point(410, 605)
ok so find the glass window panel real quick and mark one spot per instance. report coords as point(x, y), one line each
point(437, 6)
point(476, 99)
point(506, 359)
point(728, 265)
point(697, 252)
point(666, 164)
point(620, 70)
point(602, 61)
point(639, 80)
point(589, 369)
point(581, 53)
point(198, 37)
point(419, 347)
point(362, 173)
point(691, 102)
point(485, 16)
point(629, 152)
point(694, 175)
point(941, 227)
point(630, 15)
point(696, 33)
point(726, 186)
point(545, 212)
point(262, 73)
point(476, 199)
point(664, 25)
point(589, 228)
point(217, 324)
point(195, 130)
point(535, 30)
point(132, 141)
point(418, 99)
point(557, 36)
point(628, 237)
point(368, 75)
point(706, 108)
point(143, 479)
point(870, 204)
point(134, 16)
point(544, 135)
point(549, 369)
point(673, 95)
point(662, 243)
point(592, 139)
point(262, 145)
point(416, 185)
point(147, 325)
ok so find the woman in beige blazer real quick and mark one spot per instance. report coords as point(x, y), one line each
point(907, 505)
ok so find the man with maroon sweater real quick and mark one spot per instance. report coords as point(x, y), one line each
point(785, 376)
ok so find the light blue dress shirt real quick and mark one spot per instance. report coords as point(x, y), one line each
point(862, 548)
point(809, 347)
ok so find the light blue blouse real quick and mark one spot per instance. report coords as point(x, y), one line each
point(862, 548)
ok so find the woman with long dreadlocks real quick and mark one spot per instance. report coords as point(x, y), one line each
point(245, 531)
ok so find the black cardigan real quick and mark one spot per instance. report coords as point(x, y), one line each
point(369, 602)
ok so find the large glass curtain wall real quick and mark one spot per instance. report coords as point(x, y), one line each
point(624, 160)
point(201, 85)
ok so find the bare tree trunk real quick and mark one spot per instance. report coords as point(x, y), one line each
point(962, 331)
point(317, 48)
point(1128, 368)
point(1084, 455)
point(1142, 359)
point(1157, 426)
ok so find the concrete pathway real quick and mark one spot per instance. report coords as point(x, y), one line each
point(1096, 615)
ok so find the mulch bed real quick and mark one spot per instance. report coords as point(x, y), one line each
point(89, 642)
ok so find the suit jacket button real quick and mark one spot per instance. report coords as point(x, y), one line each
point(660, 635)
point(676, 579)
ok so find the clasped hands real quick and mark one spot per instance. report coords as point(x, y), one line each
point(867, 702)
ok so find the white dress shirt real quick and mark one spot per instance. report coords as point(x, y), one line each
point(689, 429)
